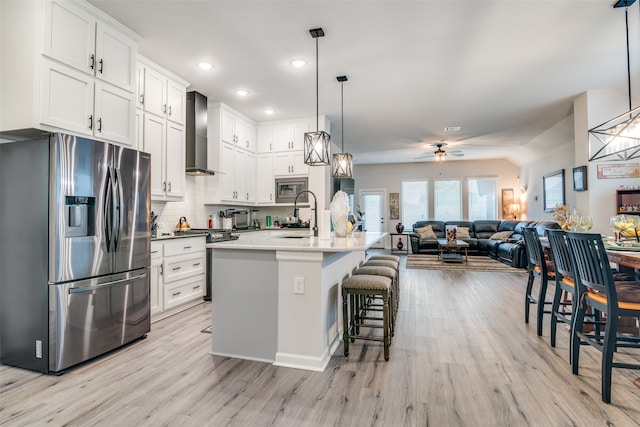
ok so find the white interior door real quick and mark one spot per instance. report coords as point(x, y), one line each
point(373, 203)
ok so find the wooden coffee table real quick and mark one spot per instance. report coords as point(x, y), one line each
point(452, 251)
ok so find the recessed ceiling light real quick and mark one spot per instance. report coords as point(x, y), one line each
point(452, 128)
point(298, 63)
point(269, 112)
point(242, 92)
point(205, 65)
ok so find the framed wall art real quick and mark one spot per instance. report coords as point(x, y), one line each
point(507, 201)
point(580, 178)
point(394, 205)
point(553, 189)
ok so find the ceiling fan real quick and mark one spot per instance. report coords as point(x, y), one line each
point(439, 154)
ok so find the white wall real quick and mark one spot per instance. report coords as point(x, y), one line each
point(590, 109)
point(390, 176)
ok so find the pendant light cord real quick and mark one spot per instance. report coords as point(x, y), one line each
point(318, 91)
point(342, 111)
point(626, 20)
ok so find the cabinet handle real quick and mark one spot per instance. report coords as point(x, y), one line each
point(196, 287)
point(99, 124)
point(176, 268)
point(164, 185)
point(92, 60)
point(101, 66)
point(247, 144)
point(164, 109)
point(247, 198)
point(186, 247)
point(196, 264)
point(91, 121)
point(154, 252)
point(169, 186)
point(169, 110)
point(175, 294)
point(162, 269)
point(142, 98)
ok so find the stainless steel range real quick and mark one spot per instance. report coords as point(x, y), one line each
point(213, 235)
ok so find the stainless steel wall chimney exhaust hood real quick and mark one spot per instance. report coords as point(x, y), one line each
point(196, 145)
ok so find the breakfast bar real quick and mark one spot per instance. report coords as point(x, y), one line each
point(276, 295)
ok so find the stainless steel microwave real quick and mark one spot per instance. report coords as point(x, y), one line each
point(288, 188)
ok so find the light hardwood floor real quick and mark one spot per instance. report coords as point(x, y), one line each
point(462, 356)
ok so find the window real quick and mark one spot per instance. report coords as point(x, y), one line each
point(483, 198)
point(448, 200)
point(415, 205)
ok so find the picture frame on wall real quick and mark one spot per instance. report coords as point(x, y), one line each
point(580, 178)
point(507, 201)
point(394, 205)
point(553, 189)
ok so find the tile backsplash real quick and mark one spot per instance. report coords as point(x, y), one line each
point(197, 213)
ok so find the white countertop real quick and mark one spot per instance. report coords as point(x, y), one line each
point(299, 240)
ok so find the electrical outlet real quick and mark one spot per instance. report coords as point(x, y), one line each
point(298, 285)
point(38, 349)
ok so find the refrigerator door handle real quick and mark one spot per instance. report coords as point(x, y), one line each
point(118, 202)
point(104, 285)
point(107, 210)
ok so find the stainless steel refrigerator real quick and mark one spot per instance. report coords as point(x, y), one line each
point(74, 250)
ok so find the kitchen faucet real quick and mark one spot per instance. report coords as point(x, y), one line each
point(315, 210)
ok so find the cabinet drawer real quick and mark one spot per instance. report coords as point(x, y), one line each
point(156, 250)
point(184, 246)
point(183, 291)
point(184, 266)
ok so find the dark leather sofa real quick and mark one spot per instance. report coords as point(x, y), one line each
point(510, 251)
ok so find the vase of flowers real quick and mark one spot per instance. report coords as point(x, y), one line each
point(561, 214)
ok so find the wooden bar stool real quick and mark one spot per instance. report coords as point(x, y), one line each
point(385, 272)
point(386, 257)
point(363, 285)
point(371, 262)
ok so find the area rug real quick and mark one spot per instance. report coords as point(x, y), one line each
point(207, 330)
point(480, 263)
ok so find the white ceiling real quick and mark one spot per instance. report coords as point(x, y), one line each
point(505, 71)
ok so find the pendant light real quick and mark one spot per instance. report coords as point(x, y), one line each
point(619, 138)
point(317, 144)
point(343, 162)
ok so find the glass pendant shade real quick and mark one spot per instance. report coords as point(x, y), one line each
point(342, 165)
point(316, 148)
point(617, 139)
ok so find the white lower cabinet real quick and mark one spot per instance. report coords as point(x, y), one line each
point(155, 292)
point(178, 282)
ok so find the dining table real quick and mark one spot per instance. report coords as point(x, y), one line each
point(627, 260)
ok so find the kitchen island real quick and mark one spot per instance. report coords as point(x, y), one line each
point(276, 295)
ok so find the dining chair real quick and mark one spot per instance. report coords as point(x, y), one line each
point(596, 288)
point(564, 279)
point(538, 267)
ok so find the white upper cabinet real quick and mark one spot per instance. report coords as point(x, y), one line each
point(231, 153)
point(289, 136)
point(115, 113)
point(162, 96)
point(70, 35)
point(76, 38)
point(265, 139)
point(73, 71)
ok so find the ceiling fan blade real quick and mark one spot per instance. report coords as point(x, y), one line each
point(455, 154)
